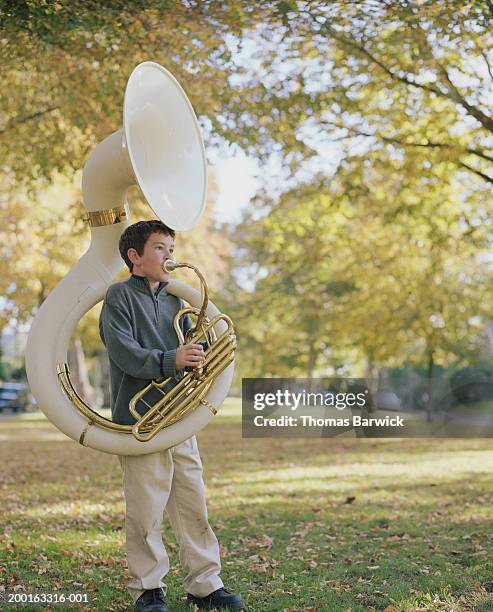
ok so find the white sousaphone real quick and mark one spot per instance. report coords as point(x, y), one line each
point(161, 149)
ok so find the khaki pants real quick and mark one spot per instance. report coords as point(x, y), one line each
point(170, 480)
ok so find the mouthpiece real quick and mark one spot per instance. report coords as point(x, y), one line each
point(169, 265)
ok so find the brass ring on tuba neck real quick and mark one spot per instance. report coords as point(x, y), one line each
point(109, 216)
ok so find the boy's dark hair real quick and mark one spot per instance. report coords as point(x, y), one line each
point(137, 234)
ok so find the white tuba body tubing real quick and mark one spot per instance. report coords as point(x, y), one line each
point(107, 175)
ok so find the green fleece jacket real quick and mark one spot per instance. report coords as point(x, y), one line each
point(136, 326)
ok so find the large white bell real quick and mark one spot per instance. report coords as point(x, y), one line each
point(165, 146)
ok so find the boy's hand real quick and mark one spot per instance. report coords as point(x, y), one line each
point(189, 355)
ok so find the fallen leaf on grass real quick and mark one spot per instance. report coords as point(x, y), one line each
point(263, 541)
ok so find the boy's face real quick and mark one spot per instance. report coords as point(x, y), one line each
point(158, 249)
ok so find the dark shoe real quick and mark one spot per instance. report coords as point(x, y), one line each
point(151, 601)
point(220, 599)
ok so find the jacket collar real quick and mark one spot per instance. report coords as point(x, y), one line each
point(141, 283)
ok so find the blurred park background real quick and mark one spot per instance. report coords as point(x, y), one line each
point(348, 232)
point(348, 227)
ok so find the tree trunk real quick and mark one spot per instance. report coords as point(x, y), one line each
point(371, 378)
point(78, 370)
point(429, 387)
point(104, 378)
point(312, 362)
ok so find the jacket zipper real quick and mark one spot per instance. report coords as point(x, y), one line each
point(154, 299)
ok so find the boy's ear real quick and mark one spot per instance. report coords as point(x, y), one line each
point(133, 255)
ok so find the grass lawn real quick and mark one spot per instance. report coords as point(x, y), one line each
point(484, 407)
point(305, 524)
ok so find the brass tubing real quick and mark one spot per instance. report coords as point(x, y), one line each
point(148, 435)
point(176, 394)
point(152, 385)
point(192, 401)
point(93, 417)
point(169, 418)
point(173, 409)
point(174, 391)
point(158, 412)
point(218, 368)
point(171, 406)
point(203, 283)
point(179, 410)
point(176, 322)
point(184, 381)
point(171, 397)
point(218, 348)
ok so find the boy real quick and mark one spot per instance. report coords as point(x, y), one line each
point(136, 326)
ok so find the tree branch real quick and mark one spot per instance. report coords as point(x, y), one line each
point(404, 143)
point(417, 144)
point(452, 94)
point(484, 176)
point(12, 123)
point(485, 57)
point(486, 122)
point(351, 42)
